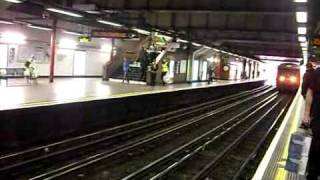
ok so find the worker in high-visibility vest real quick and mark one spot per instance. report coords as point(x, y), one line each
point(164, 70)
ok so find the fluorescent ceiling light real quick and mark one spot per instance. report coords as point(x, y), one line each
point(73, 33)
point(109, 23)
point(14, 1)
point(279, 58)
point(61, 11)
point(302, 39)
point(93, 12)
point(300, 1)
point(304, 44)
point(207, 47)
point(301, 17)
point(39, 27)
point(182, 40)
point(163, 36)
point(5, 22)
point(196, 44)
point(141, 31)
point(302, 30)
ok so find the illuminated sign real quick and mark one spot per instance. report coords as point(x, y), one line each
point(114, 34)
point(84, 39)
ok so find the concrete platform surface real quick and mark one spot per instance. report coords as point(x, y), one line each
point(19, 94)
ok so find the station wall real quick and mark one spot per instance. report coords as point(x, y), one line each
point(96, 53)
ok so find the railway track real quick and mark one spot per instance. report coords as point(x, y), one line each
point(71, 157)
point(198, 161)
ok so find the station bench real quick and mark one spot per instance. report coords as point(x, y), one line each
point(11, 73)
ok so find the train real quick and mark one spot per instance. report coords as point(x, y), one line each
point(288, 77)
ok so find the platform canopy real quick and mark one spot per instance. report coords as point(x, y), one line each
point(251, 27)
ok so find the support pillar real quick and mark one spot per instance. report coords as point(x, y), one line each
point(112, 50)
point(53, 49)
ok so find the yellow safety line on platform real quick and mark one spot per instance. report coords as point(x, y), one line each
point(281, 173)
point(268, 155)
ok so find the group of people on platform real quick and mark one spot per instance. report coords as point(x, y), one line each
point(311, 93)
point(143, 58)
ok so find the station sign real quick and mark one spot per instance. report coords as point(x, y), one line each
point(84, 39)
point(114, 34)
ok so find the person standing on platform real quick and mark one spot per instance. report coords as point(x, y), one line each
point(164, 70)
point(125, 68)
point(307, 79)
point(143, 58)
point(153, 73)
point(210, 73)
point(312, 119)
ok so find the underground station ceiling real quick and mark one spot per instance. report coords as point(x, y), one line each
point(248, 27)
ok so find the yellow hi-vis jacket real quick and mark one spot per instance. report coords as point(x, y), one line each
point(165, 67)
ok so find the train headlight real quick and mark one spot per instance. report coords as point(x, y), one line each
point(282, 78)
point(293, 79)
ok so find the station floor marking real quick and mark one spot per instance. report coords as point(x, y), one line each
point(281, 173)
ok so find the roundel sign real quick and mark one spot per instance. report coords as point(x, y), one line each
point(226, 68)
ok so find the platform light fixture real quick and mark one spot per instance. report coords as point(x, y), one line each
point(182, 41)
point(39, 27)
point(142, 31)
point(72, 33)
point(6, 22)
point(302, 30)
point(163, 36)
point(302, 17)
point(14, 1)
point(61, 11)
point(108, 23)
point(196, 44)
point(302, 39)
point(300, 1)
point(304, 44)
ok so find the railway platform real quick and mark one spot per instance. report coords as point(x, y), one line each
point(68, 90)
point(273, 162)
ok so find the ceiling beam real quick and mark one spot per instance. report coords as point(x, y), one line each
point(266, 50)
point(201, 11)
point(260, 42)
point(219, 30)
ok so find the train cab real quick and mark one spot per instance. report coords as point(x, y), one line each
point(288, 77)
